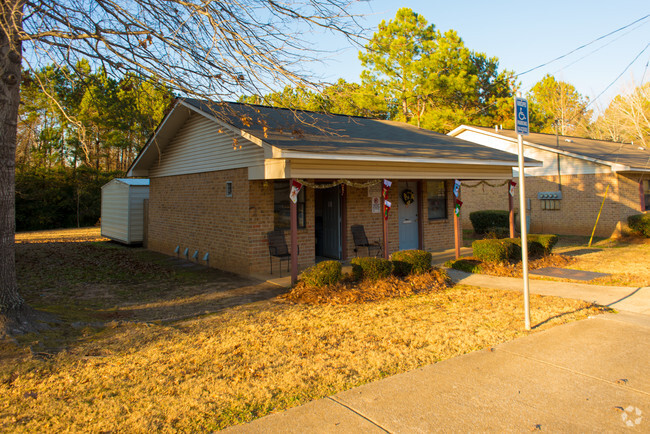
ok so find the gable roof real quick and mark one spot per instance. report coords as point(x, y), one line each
point(620, 156)
point(296, 134)
point(312, 132)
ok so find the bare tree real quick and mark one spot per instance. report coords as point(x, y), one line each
point(627, 118)
point(202, 48)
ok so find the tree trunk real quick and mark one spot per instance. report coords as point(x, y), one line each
point(10, 69)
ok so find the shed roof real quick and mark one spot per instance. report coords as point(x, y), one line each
point(132, 181)
point(613, 153)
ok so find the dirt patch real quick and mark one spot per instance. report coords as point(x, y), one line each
point(513, 269)
point(348, 291)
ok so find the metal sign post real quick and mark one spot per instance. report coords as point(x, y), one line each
point(521, 122)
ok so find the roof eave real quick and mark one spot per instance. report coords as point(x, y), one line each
point(381, 158)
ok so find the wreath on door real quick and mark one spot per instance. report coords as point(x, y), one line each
point(408, 197)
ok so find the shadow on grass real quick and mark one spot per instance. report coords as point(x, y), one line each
point(601, 309)
point(88, 285)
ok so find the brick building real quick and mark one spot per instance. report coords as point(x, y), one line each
point(565, 195)
point(220, 181)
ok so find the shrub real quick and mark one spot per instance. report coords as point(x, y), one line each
point(547, 241)
point(322, 274)
point(538, 245)
point(640, 223)
point(371, 268)
point(496, 250)
point(408, 262)
point(484, 221)
point(466, 265)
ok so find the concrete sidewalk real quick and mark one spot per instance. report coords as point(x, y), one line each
point(623, 298)
point(591, 375)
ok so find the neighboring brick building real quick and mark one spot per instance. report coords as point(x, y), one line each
point(565, 195)
point(220, 177)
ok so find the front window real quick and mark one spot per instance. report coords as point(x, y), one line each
point(282, 206)
point(437, 200)
point(646, 194)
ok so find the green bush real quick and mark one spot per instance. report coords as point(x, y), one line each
point(408, 262)
point(640, 223)
point(466, 265)
point(371, 268)
point(322, 274)
point(489, 220)
point(496, 250)
point(538, 245)
point(546, 241)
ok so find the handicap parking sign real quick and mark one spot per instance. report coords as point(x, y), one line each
point(521, 116)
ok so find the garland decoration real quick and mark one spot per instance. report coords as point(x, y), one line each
point(486, 183)
point(340, 182)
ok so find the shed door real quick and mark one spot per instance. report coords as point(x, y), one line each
point(408, 217)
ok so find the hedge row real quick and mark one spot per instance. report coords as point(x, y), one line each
point(502, 250)
point(368, 268)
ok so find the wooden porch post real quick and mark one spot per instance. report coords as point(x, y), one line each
point(420, 214)
point(344, 223)
point(384, 224)
point(457, 230)
point(511, 215)
point(294, 240)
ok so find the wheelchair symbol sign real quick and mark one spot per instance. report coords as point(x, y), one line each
point(521, 119)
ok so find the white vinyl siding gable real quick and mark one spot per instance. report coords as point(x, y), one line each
point(201, 145)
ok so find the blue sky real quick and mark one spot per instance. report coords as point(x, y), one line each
point(525, 34)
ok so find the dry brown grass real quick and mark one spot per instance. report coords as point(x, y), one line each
point(626, 259)
point(129, 367)
point(243, 363)
point(74, 235)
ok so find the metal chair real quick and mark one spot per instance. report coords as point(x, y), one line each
point(360, 240)
point(278, 248)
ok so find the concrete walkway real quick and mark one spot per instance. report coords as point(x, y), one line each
point(623, 298)
point(585, 376)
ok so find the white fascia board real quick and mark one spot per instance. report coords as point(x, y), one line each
point(379, 158)
point(462, 128)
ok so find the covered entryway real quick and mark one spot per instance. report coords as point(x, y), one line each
point(328, 222)
point(408, 215)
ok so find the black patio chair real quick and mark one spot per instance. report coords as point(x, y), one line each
point(360, 240)
point(278, 248)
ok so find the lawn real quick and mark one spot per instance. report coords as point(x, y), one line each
point(624, 259)
point(147, 344)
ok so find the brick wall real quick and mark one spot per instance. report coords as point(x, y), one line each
point(192, 211)
point(261, 221)
point(582, 196)
point(439, 234)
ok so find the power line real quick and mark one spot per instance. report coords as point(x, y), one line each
point(619, 76)
point(599, 48)
point(583, 46)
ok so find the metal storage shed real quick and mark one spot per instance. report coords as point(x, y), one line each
point(123, 209)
